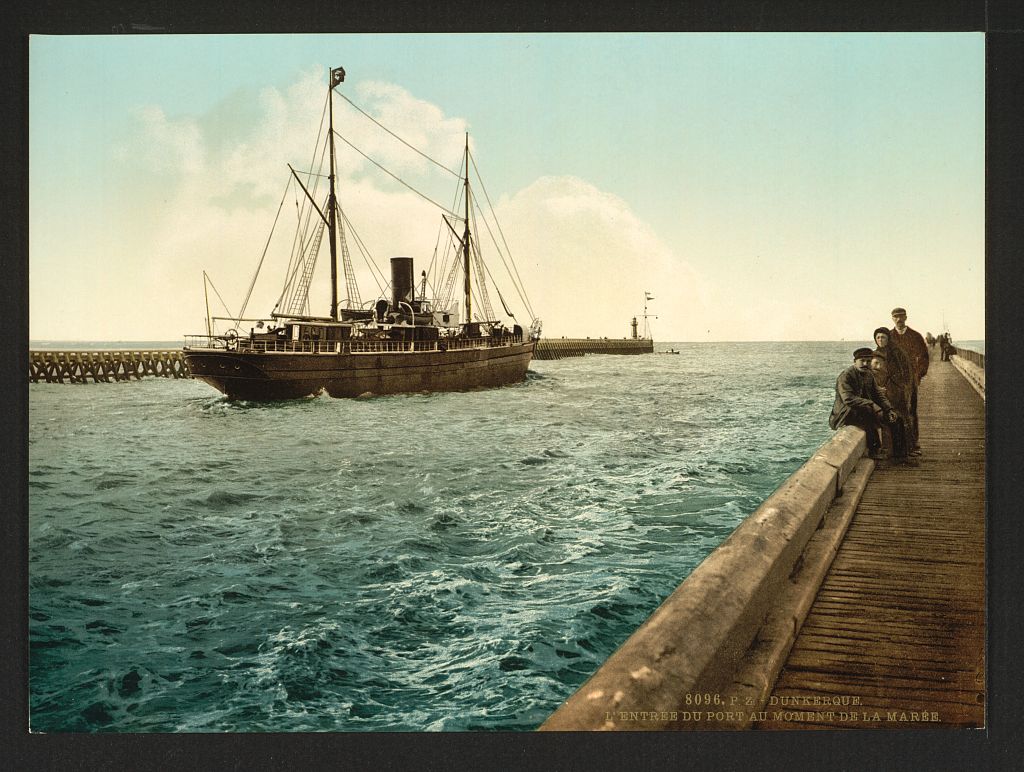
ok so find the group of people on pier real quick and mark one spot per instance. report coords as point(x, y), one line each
point(944, 342)
point(946, 347)
point(878, 392)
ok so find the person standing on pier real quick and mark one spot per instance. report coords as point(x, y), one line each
point(946, 346)
point(859, 401)
point(893, 375)
point(913, 345)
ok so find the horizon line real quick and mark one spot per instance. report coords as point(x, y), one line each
point(560, 337)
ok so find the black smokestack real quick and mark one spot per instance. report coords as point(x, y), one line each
point(401, 282)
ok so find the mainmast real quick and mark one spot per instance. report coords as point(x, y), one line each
point(337, 75)
point(465, 241)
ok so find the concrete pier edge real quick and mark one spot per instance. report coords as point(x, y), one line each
point(975, 375)
point(755, 677)
point(698, 644)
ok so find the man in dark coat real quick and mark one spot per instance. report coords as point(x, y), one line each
point(859, 402)
point(898, 388)
point(913, 345)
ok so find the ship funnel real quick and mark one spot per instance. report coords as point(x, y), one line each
point(401, 282)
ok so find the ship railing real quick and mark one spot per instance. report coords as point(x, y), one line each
point(344, 347)
point(206, 341)
point(293, 346)
point(226, 343)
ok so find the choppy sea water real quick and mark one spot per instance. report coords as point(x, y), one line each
point(418, 562)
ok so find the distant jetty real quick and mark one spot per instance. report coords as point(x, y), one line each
point(105, 366)
point(560, 348)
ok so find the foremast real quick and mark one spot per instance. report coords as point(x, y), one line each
point(337, 75)
point(465, 242)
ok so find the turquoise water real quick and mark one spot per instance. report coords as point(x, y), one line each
point(974, 345)
point(421, 562)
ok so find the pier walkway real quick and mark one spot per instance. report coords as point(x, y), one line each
point(853, 597)
point(899, 620)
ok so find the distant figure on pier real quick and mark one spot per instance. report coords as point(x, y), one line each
point(859, 401)
point(892, 375)
point(930, 339)
point(913, 345)
point(946, 347)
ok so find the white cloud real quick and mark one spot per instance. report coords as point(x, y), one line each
point(221, 188)
point(169, 144)
point(584, 257)
point(419, 123)
point(587, 259)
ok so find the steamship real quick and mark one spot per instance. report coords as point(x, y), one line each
point(411, 338)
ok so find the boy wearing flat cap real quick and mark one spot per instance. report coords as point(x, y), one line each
point(913, 345)
point(859, 401)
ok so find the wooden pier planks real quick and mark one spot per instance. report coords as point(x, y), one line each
point(899, 621)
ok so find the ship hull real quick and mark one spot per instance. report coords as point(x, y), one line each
point(262, 376)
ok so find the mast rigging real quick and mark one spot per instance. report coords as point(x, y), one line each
point(337, 76)
point(465, 242)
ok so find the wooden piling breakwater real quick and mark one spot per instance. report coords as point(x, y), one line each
point(105, 366)
point(562, 348)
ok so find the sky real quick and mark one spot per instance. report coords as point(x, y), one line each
point(761, 186)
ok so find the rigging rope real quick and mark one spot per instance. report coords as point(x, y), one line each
point(230, 315)
point(395, 177)
point(500, 296)
point(300, 295)
point(248, 294)
point(298, 248)
point(305, 211)
point(497, 249)
point(294, 265)
point(481, 275)
point(445, 298)
point(520, 289)
point(449, 282)
point(389, 131)
point(442, 229)
point(364, 251)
